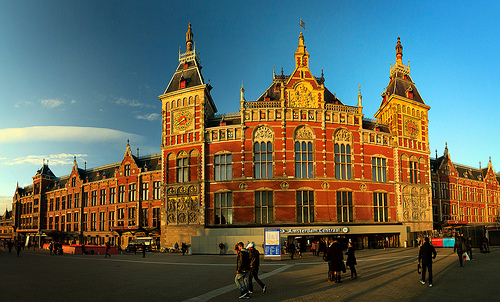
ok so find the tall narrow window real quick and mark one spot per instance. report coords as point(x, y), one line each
point(145, 217)
point(102, 198)
point(132, 193)
point(223, 209)
point(75, 221)
point(263, 159)
point(223, 167)
point(379, 169)
point(102, 221)
point(145, 191)
point(77, 200)
point(121, 194)
point(85, 218)
point(182, 170)
point(380, 209)
point(111, 219)
point(264, 207)
point(93, 221)
point(156, 217)
point(94, 198)
point(305, 206)
point(156, 190)
point(413, 171)
point(342, 161)
point(344, 206)
point(112, 195)
point(304, 160)
point(127, 170)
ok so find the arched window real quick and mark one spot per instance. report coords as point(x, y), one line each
point(263, 153)
point(343, 166)
point(182, 167)
point(414, 170)
point(304, 159)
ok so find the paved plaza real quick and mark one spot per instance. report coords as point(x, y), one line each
point(383, 275)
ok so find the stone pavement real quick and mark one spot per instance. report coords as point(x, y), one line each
point(383, 275)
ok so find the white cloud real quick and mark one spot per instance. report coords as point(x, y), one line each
point(64, 134)
point(23, 104)
point(52, 103)
point(132, 103)
point(73, 101)
point(149, 117)
point(53, 159)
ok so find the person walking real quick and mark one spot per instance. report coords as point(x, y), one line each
point(459, 247)
point(183, 248)
point(51, 247)
point(291, 249)
point(143, 250)
point(254, 268)
point(221, 248)
point(351, 260)
point(469, 248)
point(425, 256)
point(242, 271)
point(107, 250)
point(18, 247)
point(335, 260)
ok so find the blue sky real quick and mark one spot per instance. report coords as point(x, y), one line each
point(79, 78)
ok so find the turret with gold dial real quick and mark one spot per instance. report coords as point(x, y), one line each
point(411, 127)
point(182, 120)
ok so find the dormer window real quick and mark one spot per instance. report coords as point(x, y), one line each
point(182, 83)
point(409, 93)
point(186, 65)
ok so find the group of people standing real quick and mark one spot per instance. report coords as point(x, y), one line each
point(247, 268)
point(336, 265)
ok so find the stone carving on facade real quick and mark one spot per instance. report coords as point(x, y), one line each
point(284, 185)
point(325, 185)
point(243, 186)
point(343, 135)
point(362, 187)
point(304, 133)
point(263, 133)
point(414, 204)
point(182, 205)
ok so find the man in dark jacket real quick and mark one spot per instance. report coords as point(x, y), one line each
point(254, 268)
point(242, 271)
point(459, 248)
point(425, 256)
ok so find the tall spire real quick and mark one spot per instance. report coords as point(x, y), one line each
point(189, 39)
point(399, 52)
point(359, 97)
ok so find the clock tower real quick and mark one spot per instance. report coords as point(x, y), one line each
point(186, 108)
point(406, 114)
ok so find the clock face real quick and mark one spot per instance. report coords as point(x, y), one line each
point(183, 120)
point(411, 127)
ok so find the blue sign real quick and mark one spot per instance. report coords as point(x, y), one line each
point(272, 244)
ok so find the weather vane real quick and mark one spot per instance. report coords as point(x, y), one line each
point(302, 24)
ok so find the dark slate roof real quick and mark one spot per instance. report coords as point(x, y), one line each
point(398, 86)
point(45, 171)
point(369, 124)
point(148, 162)
point(230, 120)
point(192, 75)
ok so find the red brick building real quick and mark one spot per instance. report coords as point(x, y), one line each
point(297, 159)
point(463, 195)
point(111, 203)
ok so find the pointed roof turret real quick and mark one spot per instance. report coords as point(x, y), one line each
point(400, 82)
point(399, 52)
point(189, 38)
